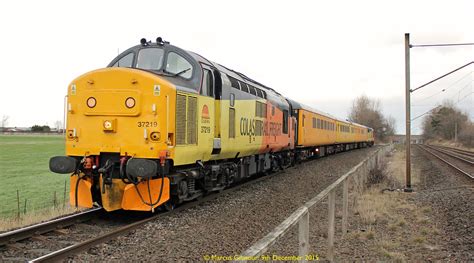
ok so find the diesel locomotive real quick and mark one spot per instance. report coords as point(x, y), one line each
point(161, 125)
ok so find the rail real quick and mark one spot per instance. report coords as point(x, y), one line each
point(41, 228)
point(301, 215)
point(466, 173)
point(470, 153)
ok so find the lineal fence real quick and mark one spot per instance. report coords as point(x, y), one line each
point(301, 216)
point(23, 204)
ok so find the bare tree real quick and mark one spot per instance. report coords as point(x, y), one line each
point(366, 111)
point(58, 125)
point(4, 121)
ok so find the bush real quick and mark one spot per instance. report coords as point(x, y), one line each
point(466, 136)
point(38, 128)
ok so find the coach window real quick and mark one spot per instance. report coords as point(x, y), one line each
point(125, 62)
point(176, 64)
point(207, 85)
point(150, 58)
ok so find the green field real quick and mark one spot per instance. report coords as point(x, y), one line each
point(24, 167)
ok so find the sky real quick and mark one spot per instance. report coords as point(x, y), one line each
point(321, 53)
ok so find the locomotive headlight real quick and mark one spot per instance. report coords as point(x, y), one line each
point(91, 102)
point(130, 102)
point(107, 125)
point(110, 125)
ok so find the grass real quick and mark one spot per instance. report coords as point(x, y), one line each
point(392, 216)
point(371, 206)
point(24, 161)
point(35, 216)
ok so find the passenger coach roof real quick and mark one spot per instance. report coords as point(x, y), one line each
point(297, 105)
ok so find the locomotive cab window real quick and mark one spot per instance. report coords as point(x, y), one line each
point(285, 122)
point(150, 58)
point(125, 62)
point(176, 64)
point(207, 88)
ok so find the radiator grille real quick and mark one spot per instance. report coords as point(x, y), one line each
point(192, 120)
point(231, 123)
point(180, 119)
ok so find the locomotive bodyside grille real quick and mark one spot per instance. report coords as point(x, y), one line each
point(180, 119)
point(191, 121)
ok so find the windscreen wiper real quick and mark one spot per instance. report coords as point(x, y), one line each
point(182, 71)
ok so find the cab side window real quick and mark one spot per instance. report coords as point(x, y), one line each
point(176, 64)
point(285, 122)
point(125, 62)
point(207, 83)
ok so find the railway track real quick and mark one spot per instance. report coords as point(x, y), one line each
point(463, 153)
point(35, 232)
point(11, 237)
point(461, 163)
point(83, 246)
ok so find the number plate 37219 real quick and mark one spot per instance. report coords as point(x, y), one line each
point(147, 124)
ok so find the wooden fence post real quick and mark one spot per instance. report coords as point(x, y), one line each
point(54, 199)
point(345, 197)
point(24, 208)
point(303, 236)
point(64, 197)
point(18, 204)
point(332, 206)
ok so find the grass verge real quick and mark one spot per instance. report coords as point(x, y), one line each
point(24, 171)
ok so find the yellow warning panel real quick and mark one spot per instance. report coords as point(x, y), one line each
point(131, 196)
point(84, 194)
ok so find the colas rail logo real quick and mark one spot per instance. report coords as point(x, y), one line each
point(205, 114)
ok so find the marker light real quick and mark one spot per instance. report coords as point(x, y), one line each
point(91, 102)
point(130, 102)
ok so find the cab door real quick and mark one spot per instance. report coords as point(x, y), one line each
point(217, 111)
point(210, 117)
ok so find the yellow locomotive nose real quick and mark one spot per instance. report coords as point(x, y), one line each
point(120, 110)
point(118, 117)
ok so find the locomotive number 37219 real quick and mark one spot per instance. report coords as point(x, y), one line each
point(147, 124)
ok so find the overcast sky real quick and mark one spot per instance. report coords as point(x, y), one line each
point(322, 53)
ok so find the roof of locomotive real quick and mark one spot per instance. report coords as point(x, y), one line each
point(233, 73)
point(271, 93)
